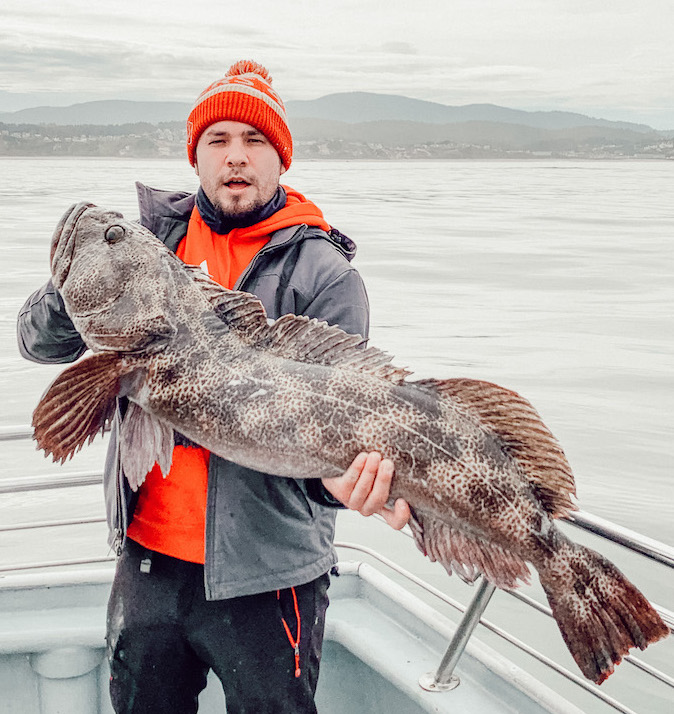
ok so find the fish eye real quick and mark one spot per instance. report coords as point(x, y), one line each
point(114, 233)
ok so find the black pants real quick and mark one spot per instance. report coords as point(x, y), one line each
point(163, 637)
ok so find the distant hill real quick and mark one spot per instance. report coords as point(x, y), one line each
point(500, 136)
point(107, 112)
point(348, 107)
point(358, 107)
point(354, 125)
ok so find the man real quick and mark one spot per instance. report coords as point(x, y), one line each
point(221, 567)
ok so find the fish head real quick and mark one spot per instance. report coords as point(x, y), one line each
point(114, 277)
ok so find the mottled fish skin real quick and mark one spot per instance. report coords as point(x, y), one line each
point(483, 475)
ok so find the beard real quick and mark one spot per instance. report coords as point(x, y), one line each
point(238, 210)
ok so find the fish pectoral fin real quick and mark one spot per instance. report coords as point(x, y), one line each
point(78, 403)
point(522, 433)
point(143, 441)
point(467, 555)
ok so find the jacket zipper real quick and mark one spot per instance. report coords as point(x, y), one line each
point(118, 542)
point(238, 286)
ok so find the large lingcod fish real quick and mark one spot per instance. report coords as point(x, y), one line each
point(484, 477)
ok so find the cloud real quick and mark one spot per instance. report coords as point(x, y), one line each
point(544, 52)
point(115, 50)
point(108, 67)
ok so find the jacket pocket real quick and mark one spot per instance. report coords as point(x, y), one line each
point(299, 489)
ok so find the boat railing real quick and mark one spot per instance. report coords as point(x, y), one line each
point(443, 678)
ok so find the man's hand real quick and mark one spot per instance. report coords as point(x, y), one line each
point(365, 486)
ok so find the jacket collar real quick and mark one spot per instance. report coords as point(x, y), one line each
point(167, 214)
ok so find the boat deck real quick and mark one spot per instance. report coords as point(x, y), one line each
point(380, 640)
point(386, 635)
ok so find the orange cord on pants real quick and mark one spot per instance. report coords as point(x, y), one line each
point(294, 643)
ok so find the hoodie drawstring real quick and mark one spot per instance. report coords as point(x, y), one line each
point(294, 643)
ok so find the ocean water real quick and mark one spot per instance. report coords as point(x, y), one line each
point(553, 278)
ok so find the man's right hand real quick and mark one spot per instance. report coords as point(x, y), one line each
point(365, 487)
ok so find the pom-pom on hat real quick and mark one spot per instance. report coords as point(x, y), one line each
point(244, 94)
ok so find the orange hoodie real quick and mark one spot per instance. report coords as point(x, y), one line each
point(170, 516)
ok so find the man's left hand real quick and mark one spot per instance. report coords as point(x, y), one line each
point(365, 487)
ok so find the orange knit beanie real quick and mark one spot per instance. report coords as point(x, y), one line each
point(244, 94)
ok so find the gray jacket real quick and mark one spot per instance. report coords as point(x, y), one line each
point(262, 532)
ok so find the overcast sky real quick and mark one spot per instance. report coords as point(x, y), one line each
point(607, 58)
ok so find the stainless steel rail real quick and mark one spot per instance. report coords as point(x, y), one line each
point(503, 634)
point(444, 679)
point(12, 433)
point(50, 524)
point(55, 564)
point(647, 547)
point(43, 483)
point(653, 549)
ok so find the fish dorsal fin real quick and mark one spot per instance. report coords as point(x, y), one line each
point(523, 434)
point(238, 310)
point(295, 337)
point(78, 403)
point(308, 340)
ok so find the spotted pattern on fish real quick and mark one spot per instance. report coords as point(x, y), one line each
point(484, 476)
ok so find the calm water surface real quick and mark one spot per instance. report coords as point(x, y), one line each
point(554, 279)
point(551, 278)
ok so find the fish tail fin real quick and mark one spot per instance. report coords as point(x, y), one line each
point(600, 613)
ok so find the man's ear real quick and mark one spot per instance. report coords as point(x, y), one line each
point(196, 166)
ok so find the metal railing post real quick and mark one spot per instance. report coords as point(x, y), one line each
point(444, 679)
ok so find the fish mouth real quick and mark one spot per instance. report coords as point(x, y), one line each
point(60, 255)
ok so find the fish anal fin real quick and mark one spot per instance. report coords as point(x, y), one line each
point(523, 434)
point(467, 555)
point(143, 441)
point(78, 403)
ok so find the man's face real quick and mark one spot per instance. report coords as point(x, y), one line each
point(237, 166)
